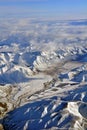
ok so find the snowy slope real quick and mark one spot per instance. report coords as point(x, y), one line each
point(43, 76)
point(56, 99)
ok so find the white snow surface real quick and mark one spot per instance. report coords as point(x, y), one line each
point(43, 77)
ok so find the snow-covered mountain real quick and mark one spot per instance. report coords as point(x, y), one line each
point(43, 75)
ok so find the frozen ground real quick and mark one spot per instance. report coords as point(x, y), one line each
point(43, 75)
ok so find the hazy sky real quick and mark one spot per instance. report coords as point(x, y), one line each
point(61, 9)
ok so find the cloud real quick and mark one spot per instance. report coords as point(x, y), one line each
point(44, 34)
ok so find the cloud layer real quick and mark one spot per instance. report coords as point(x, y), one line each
point(44, 34)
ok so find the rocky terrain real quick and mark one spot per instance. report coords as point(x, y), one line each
point(43, 86)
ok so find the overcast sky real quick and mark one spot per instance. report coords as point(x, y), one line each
point(61, 9)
